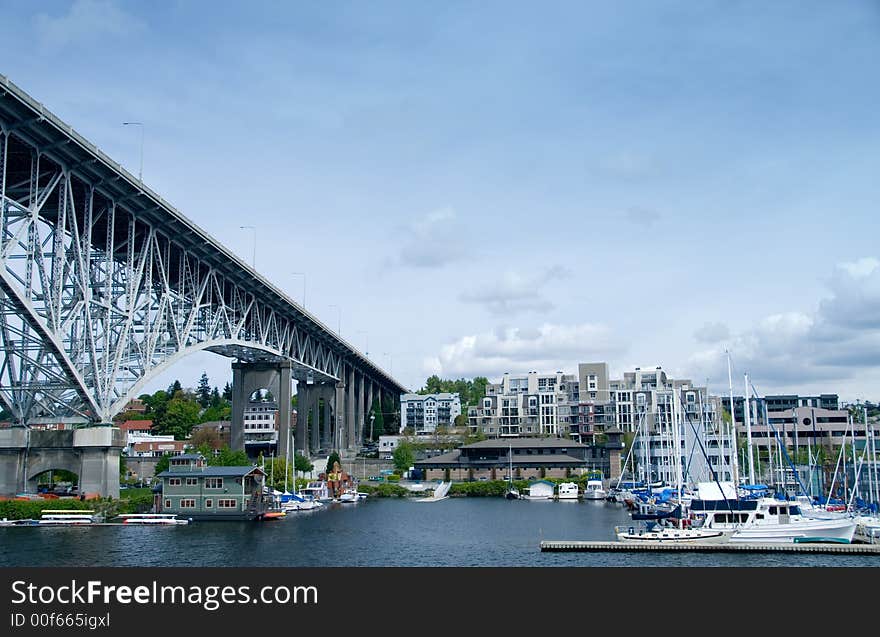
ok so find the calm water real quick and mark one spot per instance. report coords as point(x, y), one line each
point(379, 532)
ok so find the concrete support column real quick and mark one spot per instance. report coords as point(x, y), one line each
point(314, 438)
point(285, 409)
point(348, 443)
point(329, 418)
point(248, 378)
point(361, 411)
point(369, 405)
point(303, 404)
point(340, 409)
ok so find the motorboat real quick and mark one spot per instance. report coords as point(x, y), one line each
point(670, 532)
point(567, 491)
point(349, 495)
point(768, 520)
point(594, 490)
point(153, 519)
point(69, 517)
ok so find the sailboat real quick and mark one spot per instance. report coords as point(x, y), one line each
point(512, 492)
point(765, 519)
point(669, 529)
point(440, 493)
point(295, 501)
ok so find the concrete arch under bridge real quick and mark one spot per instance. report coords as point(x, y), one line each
point(92, 453)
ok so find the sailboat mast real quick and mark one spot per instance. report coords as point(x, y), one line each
point(676, 415)
point(747, 410)
point(734, 451)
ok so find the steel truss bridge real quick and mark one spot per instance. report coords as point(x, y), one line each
point(104, 285)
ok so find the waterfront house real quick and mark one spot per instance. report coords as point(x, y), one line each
point(193, 489)
point(531, 458)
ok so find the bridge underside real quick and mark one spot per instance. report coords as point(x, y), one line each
point(104, 285)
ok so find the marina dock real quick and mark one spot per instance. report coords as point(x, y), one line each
point(600, 547)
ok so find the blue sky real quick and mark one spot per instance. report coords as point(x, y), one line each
point(497, 186)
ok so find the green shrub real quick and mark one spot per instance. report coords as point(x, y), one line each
point(392, 478)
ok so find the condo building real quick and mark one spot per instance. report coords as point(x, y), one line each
point(425, 412)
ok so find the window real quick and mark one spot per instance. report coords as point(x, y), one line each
point(167, 504)
point(187, 503)
point(213, 483)
point(173, 482)
point(224, 503)
point(191, 482)
point(209, 504)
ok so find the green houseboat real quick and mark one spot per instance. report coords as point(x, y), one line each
point(193, 489)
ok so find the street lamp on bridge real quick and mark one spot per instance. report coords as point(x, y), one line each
point(303, 275)
point(141, 171)
point(254, 255)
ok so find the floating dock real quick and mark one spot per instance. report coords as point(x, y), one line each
point(806, 547)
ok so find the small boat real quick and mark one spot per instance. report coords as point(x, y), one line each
point(68, 517)
point(24, 522)
point(349, 495)
point(669, 533)
point(594, 490)
point(440, 493)
point(272, 515)
point(567, 491)
point(153, 519)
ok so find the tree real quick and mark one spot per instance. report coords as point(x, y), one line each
point(227, 391)
point(216, 400)
point(164, 464)
point(301, 463)
point(229, 458)
point(403, 457)
point(461, 420)
point(203, 392)
point(174, 387)
point(181, 413)
point(333, 458)
point(208, 438)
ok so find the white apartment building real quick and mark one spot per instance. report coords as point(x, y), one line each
point(530, 404)
point(584, 405)
point(425, 412)
point(260, 427)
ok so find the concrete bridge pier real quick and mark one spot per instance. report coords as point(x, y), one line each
point(92, 453)
point(248, 378)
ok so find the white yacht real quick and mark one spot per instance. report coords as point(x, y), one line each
point(767, 520)
point(669, 532)
point(594, 490)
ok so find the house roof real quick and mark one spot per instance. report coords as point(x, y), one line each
point(210, 472)
point(136, 425)
point(520, 443)
point(454, 458)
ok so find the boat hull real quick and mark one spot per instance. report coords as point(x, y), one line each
point(796, 531)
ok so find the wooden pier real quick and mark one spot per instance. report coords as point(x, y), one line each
point(806, 547)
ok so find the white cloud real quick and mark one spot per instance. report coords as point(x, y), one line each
point(86, 19)
point(431, 241)
point(515, 350)
point(513, 292)
point(838, 342)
